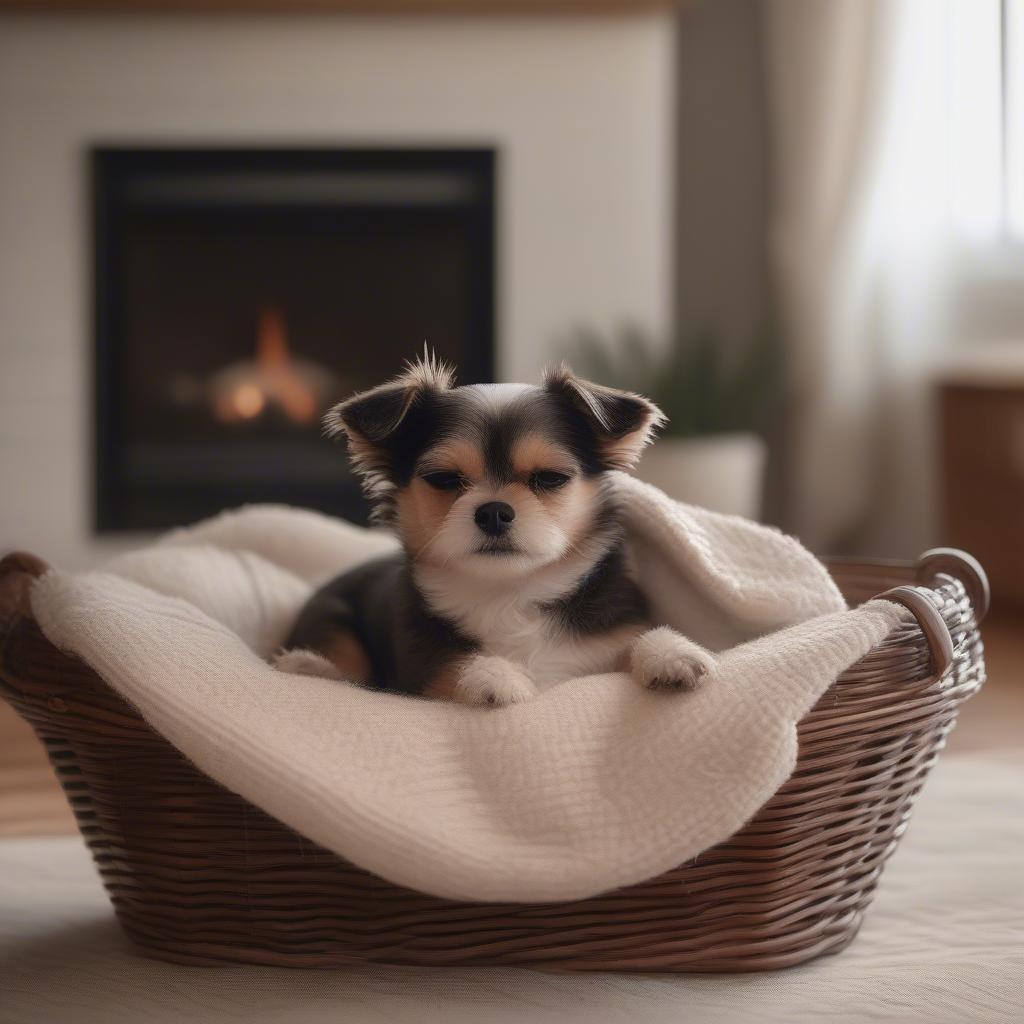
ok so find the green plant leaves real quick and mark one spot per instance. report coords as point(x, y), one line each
point(698, 389)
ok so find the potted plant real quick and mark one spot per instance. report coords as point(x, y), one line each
point(710, 452)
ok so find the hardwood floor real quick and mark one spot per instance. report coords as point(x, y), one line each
point(31, 802)
point(994, 720)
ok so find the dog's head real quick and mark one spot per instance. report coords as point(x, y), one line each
point(491, 478)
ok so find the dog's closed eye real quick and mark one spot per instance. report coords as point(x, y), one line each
point(548, 480)
point(445, 480)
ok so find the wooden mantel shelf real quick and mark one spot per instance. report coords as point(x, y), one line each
point(505, 7)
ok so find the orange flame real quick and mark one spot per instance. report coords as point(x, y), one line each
point(275, 364)
point(244, 390)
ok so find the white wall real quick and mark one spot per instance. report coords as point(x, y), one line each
point(723, 176)
point(580, 108)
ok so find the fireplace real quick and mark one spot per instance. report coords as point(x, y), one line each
point(239, 292)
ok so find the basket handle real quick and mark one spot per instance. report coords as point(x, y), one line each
point(18, 571)
point(933, 625)
point(961, 566)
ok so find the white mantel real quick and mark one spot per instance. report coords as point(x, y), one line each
point(580, 109)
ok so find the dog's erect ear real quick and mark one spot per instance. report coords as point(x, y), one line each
point(623, 423)
point(371, 419)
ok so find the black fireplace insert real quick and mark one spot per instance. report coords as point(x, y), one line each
point(238, 293)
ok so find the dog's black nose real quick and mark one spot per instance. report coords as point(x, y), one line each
point(494, 517)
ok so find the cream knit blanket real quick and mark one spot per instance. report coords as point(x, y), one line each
point(596, 784)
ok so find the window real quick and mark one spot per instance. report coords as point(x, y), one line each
point(986, 85)
point(1012, 65)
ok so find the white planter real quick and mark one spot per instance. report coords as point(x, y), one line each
point(721, 472)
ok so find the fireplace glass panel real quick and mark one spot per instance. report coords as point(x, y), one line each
point(240, 293)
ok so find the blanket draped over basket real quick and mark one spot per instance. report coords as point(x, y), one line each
point(594, 785)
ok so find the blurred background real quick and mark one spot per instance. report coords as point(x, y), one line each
point(798, 224)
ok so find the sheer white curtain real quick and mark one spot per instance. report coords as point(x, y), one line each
point(867, 108)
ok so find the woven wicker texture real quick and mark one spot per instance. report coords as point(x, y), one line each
point(198, 875)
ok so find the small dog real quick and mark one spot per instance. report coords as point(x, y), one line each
point(513, 573)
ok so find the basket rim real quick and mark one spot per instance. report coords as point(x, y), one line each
point(19, 571)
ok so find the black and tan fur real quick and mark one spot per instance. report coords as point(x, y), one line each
point(513, 572)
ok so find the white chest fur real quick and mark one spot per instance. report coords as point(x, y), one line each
point(507, 618)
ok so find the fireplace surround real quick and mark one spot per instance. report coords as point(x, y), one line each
point(238, 292)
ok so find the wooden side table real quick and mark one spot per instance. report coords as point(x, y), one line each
point(982, 450)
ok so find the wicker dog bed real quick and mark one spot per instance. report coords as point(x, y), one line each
point(198, 875)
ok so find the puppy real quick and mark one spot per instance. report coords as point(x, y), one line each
point(513, 574)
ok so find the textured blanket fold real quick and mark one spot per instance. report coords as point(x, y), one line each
point(594, 785)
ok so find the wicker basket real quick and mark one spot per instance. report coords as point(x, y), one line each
point(198, 875)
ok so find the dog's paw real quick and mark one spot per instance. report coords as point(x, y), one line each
point(661, 659)
point(302, 662)
point(488, 681)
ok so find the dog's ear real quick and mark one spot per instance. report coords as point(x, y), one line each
point(371, 417)
point(622, 423)
point(371, 420)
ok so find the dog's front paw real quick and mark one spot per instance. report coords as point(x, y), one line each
point(662, 659)
point(302, 662)
point(490, 681)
